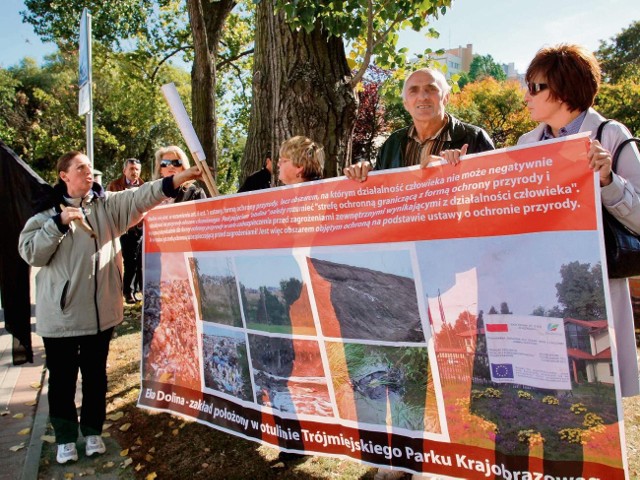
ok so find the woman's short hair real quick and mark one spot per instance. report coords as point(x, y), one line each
point(571, 71)
point(170, 149)
point(64, 162)
point(304, 152)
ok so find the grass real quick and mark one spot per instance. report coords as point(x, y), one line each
point(164, 446)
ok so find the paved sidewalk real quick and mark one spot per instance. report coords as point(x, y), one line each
point(24, 421)
point(20, 388)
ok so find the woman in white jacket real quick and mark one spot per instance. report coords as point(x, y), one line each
point(562, 84)
point(79, 288)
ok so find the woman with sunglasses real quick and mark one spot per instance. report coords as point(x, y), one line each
point(562, 84)
point(171, 160)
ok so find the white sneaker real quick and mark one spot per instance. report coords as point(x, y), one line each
point(67, 452)
point(94, 445)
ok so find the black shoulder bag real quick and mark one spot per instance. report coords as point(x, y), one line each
point(621, 244)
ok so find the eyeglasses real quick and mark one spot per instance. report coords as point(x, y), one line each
point(167, 163)
point(536, 88)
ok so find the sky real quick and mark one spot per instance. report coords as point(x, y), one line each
point(521, 270)
point(508, 30)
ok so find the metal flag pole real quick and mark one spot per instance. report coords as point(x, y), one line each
point(85, 80)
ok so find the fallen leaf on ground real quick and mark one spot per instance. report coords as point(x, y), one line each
point(48, 438)
point(15, 448)
point(19, 415)
point(4, 412)
point(69, 475)
point(106, 434)
point(125, 427)
point(124, 453)
point(175, 431)
point(138, 467)
point(148, 458)
point(106, 426)
point(152, 450)
point(24, 431)
point(36, 385)
point(31, 403)
point(115, 416)
point(138, 441)
point(127, 462)
point(158, 435)
point(151, 476)
point(108, 465)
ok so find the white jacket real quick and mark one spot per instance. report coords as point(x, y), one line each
point(79, 285)
point(621, 199)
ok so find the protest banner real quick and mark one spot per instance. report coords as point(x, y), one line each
point(359, 320)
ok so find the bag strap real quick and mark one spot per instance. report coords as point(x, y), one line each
point(600, 128)
point(616, 154)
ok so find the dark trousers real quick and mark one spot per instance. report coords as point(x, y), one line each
point(65, 357)
point(131, 243)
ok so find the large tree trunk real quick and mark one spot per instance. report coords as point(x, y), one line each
point(300, 87)
point(206, 19)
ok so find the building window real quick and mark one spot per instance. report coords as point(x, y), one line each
point(577, 337)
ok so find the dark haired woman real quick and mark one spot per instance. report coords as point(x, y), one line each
point(79, 288)
point(562, 84)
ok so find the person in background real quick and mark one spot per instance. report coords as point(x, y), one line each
point(78, 288)
point(434, 134)
point(562, 82)
point(170, 161)
point(300, 160)
point(260, 179)
point(131, 240)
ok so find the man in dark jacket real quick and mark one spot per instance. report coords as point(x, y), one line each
point(131, 241)
point(260, 179)
point(434, 133)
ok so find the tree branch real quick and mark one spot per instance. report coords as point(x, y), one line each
point(230, 60)
point(167, 57)
point(369, 50)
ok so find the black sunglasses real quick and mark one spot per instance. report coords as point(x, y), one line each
point(166, 163)
point(133, 160)
point(536, 88)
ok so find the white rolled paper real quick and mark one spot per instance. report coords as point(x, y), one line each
point(182, 119)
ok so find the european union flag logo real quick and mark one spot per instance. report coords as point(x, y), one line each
point(502, 370)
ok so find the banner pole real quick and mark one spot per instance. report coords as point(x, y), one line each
point(189, 134)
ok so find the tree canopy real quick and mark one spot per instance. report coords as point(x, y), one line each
point(483, 66)
point(40, 105)
point(498, 107)
point(580, 292)
point(620, 56)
